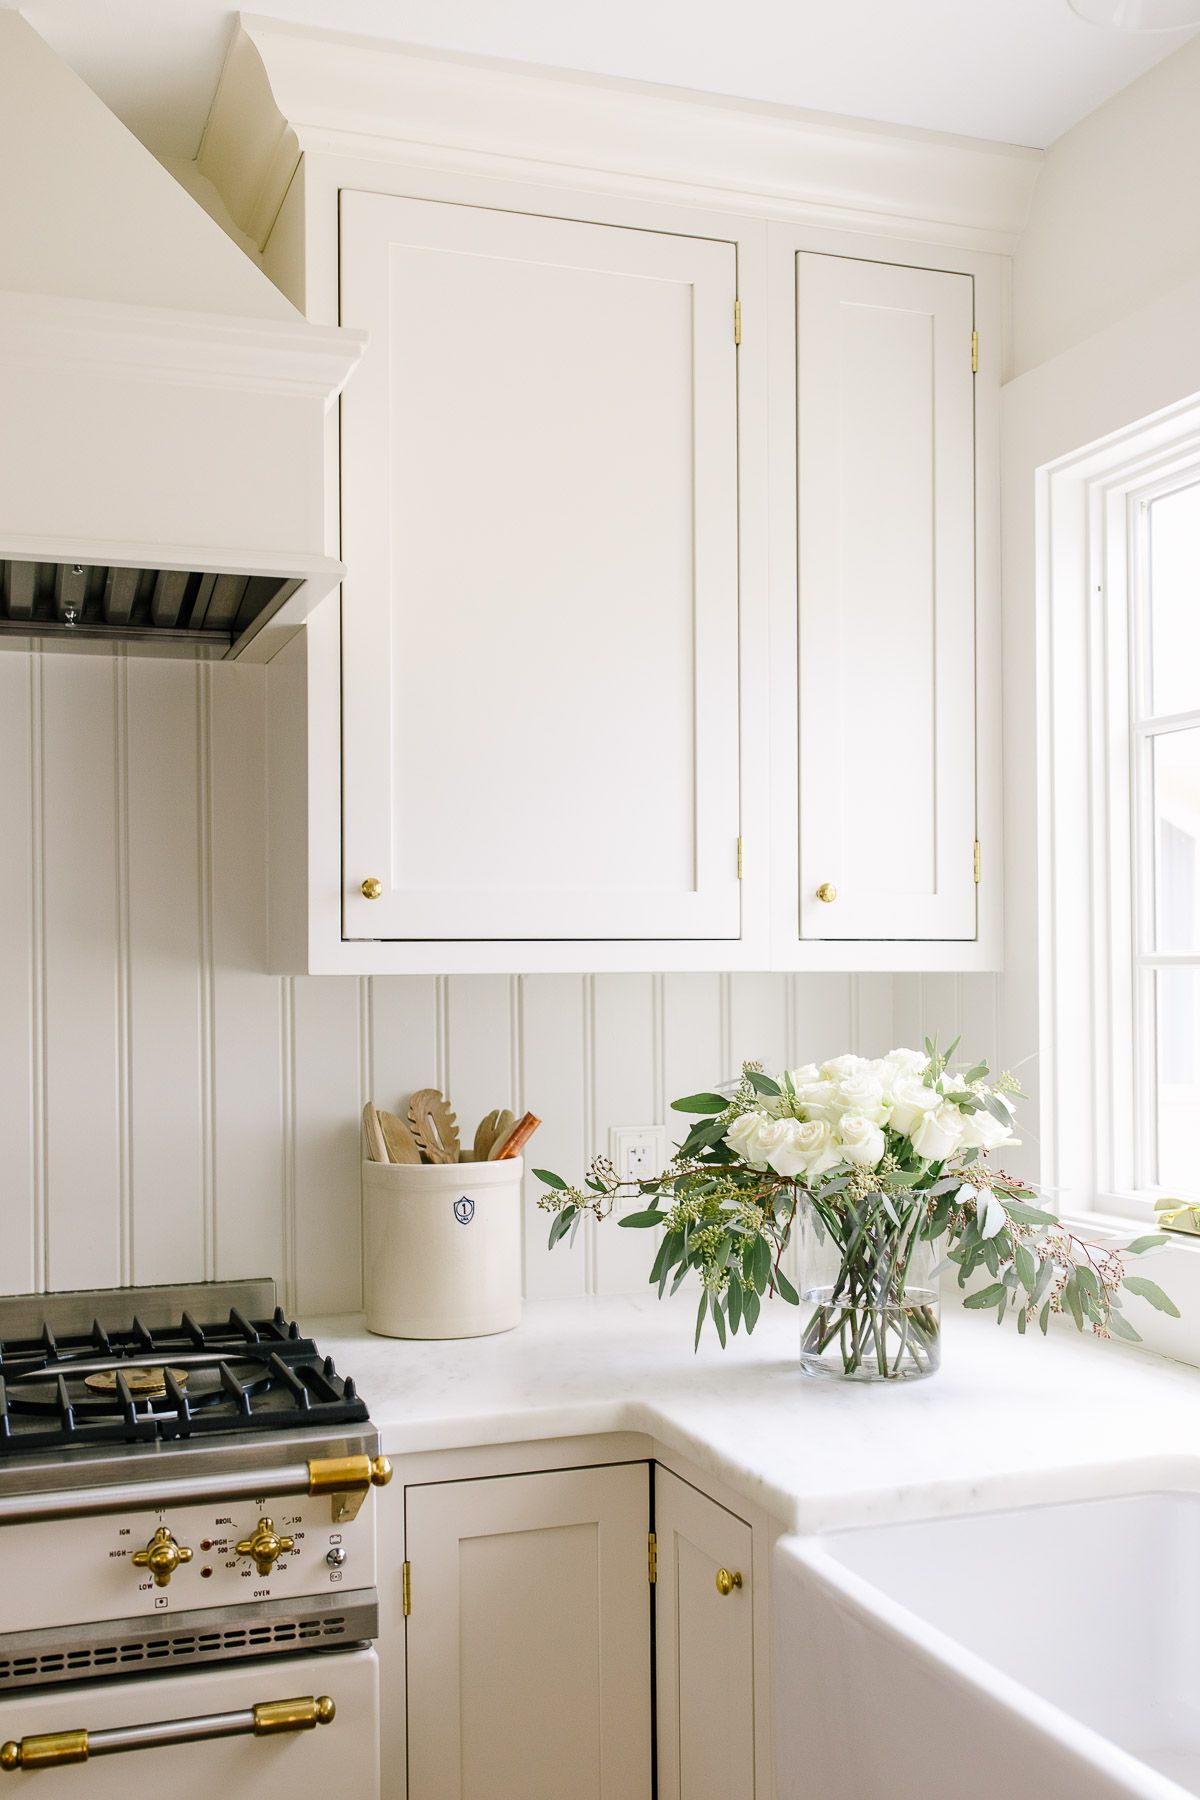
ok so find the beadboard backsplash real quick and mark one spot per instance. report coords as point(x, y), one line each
point(168, 1112)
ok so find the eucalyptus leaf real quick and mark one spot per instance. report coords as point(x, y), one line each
point(1123, 1329)
point(1150, 1290)
point(1140, 1245)
point(986, 1297)
point(700, 1103)
point(786, 1290)
point(642, 1221)
point(763, 1084)
point(700, 1317)
point(549, 1178)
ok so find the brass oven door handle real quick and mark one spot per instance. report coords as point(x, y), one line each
point(54, 1748)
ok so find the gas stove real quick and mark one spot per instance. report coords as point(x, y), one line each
point(113, 1384)
point(216, 1474)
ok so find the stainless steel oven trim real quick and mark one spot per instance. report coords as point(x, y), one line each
point(141, 1646)
point(244, 1463)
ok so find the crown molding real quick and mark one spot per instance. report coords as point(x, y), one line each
point(287, 91)
point(186, 349)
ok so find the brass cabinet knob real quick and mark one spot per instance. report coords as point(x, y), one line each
point(265, 1546)
point(827, 892)
point(162, 1556)
point(371, 888)
point(728, 1580)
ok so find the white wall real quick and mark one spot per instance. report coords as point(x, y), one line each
point(169, 1113)
point(1114, 222)
point(1106, 293)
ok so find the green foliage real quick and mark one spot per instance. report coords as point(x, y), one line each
point(726, 1223)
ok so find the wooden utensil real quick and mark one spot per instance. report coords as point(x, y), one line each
point(505, 1121)
point(485, 1134)
point(434, 1126)
point(401, 1144)
point(517, 1138)
point(373, 1141)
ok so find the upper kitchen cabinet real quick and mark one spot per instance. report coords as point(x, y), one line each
point(540, 617)
point(883, 740)
point(667, 498)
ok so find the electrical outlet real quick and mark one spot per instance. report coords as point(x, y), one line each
point(638, 1152)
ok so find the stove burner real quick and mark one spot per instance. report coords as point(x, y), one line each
point(147, 1383)
point(129, 1386)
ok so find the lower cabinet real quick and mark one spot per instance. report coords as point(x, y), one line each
point(528, 1637)
point(704, 1637)
point(537, 1642)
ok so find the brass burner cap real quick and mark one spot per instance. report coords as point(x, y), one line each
point(147, 1384)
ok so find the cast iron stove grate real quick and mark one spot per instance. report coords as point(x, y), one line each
point(138, 1385)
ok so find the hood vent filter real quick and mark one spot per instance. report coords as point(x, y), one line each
point(173, 611)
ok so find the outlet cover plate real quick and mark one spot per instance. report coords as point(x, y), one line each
point(638, 1152)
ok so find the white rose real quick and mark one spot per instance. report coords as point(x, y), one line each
point(981, 1132)
point(911, 1061)
point(841, 1066)
point(810, 1150)
point(939, 1134)
point(862, 1140)
point(742, 1136)
point(862, 1095)
point(772, 1135)
point(911, 1101)
point(818, 1100)
point(804, 1076)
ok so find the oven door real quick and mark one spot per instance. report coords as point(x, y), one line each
point(229, 1732)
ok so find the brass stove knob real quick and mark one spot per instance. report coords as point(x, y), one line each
point(265, 1546)
point(162, 1556)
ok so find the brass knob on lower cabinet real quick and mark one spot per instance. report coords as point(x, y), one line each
point(265, 1546)
point(827, 892)
point(728, 1580)
point(371, 888)
point(162, 1556)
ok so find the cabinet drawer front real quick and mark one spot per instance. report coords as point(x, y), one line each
point(540, 619)
point(705, 1644)
point(529, 1637)
point(886, 547)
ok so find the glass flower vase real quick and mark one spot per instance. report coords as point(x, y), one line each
point(869, 1308)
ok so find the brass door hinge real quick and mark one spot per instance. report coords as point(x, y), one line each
point(737, 321)
point(976, 859)
point(739, 859)
point(652, 1556)
point(974, 353)
point(406, 1587)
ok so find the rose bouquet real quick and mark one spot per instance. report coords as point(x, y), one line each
point(879, 1167)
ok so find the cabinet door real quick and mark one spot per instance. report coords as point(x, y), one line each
point(886, 549)
point(540, 615)
point(529, 1637)
point(705, 1647)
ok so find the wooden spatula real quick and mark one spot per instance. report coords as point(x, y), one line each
point(434, 1126)
point(485, 1134)
point(373, 1142)
point(517, 1138)
point(401, 1144)
point(505, 1121)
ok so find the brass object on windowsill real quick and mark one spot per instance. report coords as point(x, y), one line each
point(1172, 1214)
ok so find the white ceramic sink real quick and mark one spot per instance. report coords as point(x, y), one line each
point(1045, 1650)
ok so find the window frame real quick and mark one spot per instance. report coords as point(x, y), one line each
point(1095, 813)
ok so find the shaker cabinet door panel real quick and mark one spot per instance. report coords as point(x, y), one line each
point(705, 1647)
point(886, 593)
point(529, 1637)
point(540, 614)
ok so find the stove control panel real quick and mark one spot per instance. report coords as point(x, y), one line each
point(113, 1566)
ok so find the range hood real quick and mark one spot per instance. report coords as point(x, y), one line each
point(163, 446)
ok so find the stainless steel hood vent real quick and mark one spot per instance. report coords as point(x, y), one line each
point(167, 611)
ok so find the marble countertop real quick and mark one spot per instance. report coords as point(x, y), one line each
point(1005, 1419)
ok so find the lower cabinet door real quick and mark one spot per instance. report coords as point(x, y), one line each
point(138, 1744)
point(705, 1646)
point(529, 1637)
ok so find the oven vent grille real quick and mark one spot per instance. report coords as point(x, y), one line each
point(194, 1646)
